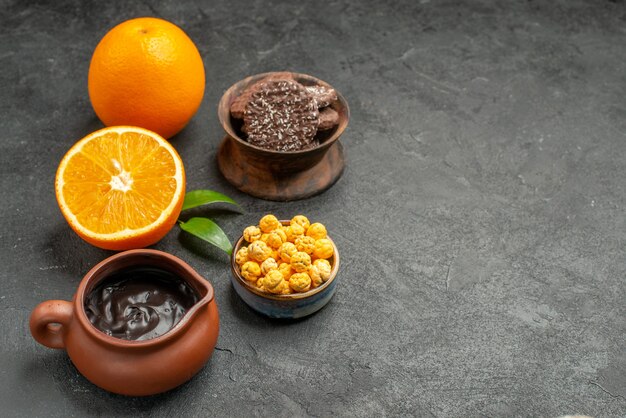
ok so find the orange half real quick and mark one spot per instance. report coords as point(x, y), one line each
point(121, 187)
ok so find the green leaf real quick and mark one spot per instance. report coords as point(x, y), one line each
point(196, 198)
point(209, 231)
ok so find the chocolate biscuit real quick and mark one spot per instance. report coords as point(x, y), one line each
point(323, 95)
point(238, 106)
point(280, 115)
point(328, 119)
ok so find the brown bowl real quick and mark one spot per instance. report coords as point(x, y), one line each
point(294, 305)
point(277, 175)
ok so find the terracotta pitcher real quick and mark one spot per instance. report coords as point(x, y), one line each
point(133, 368)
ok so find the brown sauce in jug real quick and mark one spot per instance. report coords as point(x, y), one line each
point(139, 304)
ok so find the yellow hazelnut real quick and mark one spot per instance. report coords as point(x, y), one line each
point(316, 279)
point(283, 288)
point(252, 233)
point(259, 251)
point(242, 256)
point(286, 289)
point(268, 223)
point(269, 265)
point(293, 232)
point(317, 231)
point(286, 270)
point(275, 240)
point(281, 233)
point(300, 282)
point(272, 280)
point(301, 220)
point(286, 251)
point(250, 271)
point(323, 248)
point(324, 269)
point(305, 244)
point(300, 262)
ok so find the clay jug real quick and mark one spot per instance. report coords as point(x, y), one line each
point(125, 367)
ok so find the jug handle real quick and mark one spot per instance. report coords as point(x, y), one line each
point(49, 321)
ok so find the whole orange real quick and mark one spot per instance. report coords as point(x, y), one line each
point(146, 72)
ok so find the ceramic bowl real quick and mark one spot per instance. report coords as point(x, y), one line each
point(295, 305)
point(277, 175)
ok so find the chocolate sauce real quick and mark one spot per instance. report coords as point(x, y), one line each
point(139, 303)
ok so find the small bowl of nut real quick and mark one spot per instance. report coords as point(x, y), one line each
point(285, 268)
point(282, 135)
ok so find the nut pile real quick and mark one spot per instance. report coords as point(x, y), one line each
point(285, 259)
point(281, 114)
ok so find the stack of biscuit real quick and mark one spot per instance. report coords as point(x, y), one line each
point(281, 114)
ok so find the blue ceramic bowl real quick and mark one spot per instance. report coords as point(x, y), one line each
point(295, 305)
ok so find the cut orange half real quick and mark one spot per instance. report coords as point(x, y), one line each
point(121, 187)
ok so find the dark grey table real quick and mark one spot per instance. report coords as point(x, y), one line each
point(480, 216)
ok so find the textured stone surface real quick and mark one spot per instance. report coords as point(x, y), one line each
point(480, 218)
